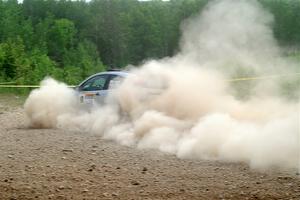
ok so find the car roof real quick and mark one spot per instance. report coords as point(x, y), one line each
point(118, 73)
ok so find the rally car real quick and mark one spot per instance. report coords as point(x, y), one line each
point(143, 87)
point(95, 88)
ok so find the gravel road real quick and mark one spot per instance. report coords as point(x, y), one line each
point(60, 164)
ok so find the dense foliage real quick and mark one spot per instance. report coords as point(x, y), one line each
point(73, 39)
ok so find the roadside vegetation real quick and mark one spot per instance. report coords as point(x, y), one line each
point(69, 40)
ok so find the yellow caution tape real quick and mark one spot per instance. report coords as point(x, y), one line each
point(25, 86)
point(260, 77)
point(19, 86)
point(2, 85)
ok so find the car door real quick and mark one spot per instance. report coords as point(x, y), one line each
point(94, 90)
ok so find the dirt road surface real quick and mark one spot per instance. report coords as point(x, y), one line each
point(60, 164)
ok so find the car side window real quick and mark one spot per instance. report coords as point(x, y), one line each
point(115, 81)
point(95, 83)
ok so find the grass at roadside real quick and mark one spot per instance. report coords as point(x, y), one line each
point(8, 101)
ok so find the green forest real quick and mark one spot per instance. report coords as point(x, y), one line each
point(70, 40)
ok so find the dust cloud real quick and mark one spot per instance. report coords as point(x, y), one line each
point(185, 105)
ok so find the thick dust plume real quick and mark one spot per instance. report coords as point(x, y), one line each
point(186, 105)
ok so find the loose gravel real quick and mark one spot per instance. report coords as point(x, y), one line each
point(62, 164)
